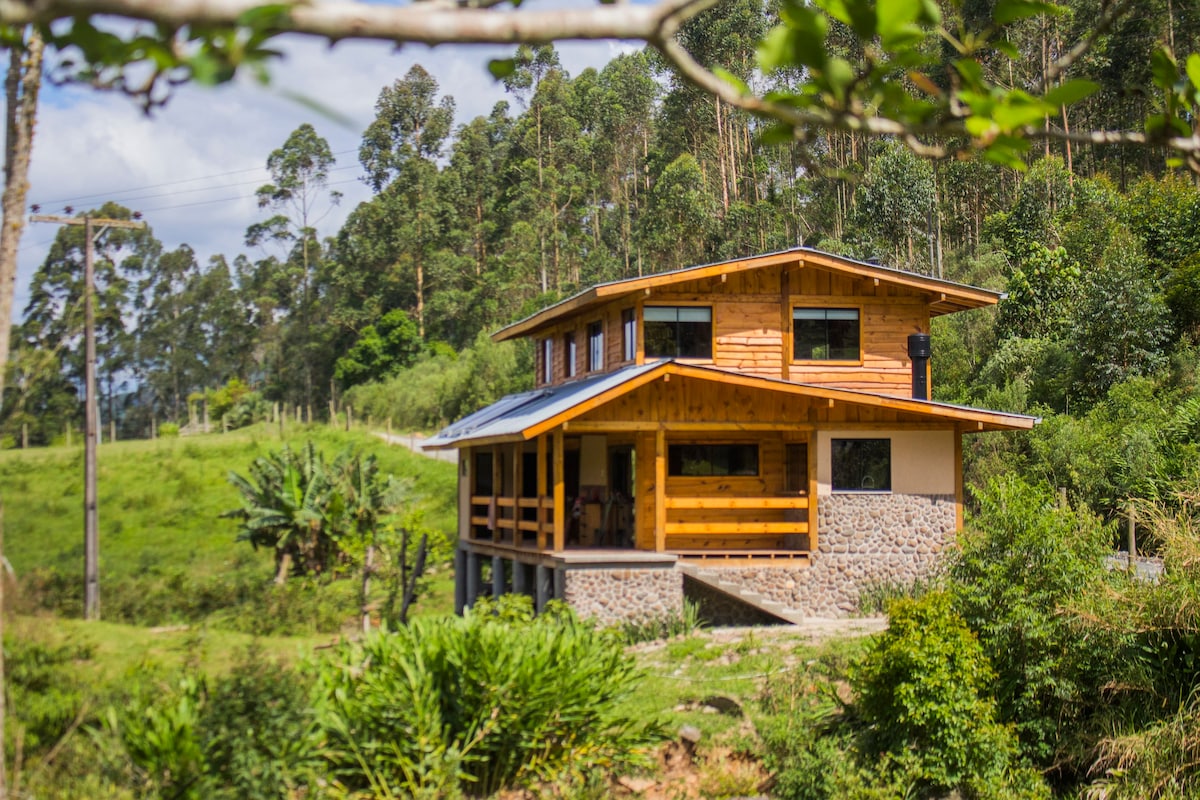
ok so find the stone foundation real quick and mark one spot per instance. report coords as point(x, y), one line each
point(864, 540)
point(619, 594)
point(718, 609)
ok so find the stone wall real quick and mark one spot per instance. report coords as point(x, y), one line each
point(611, 595)
point(864, 540)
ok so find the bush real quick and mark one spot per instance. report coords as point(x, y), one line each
point(479, 703)
point(168, 430)
point(922, 694)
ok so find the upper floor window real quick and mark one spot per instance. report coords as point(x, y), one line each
point(629, 334)
point(678, 331)
point(569, 354)
point(595, 333)
point(862, 465)
point(547, 360)
point(825, 334)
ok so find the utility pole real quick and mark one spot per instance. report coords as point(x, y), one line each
point(91, 506)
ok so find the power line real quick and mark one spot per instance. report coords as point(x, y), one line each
point(109, 195)
point(225, 199)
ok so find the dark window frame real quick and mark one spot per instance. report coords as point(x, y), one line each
point(842, 343)
point(570, 354)
point(595, 338)
point(861, 465)
point(713, 460)
point(684, 334)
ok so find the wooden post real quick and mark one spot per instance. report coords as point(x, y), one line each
point(68, 434)
point(279, 413)
point(308, 413)
point(560, 493)
point(517, 465)
point(24, 435)
point(91, 413)
point(389, 428)
point(112, 430)
point(814, 522)
point(207, 421)
point(542, 483)
point(224, 423)
point(153, 429)
point(299, 419)
point(349, 417)
point(1132, 536)
point(332, 412)
point(1062, 498)
point(497, 487)
point(660, 490)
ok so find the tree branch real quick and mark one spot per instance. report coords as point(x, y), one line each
point(428, 23)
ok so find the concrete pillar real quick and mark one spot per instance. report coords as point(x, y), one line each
point(497, 577)
point(474, 577)
point(518, 578)
point(460, 580)
point(560, 583)
point(542, 581)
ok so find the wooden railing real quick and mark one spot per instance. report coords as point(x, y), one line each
point(508, 518)
point(736, 527)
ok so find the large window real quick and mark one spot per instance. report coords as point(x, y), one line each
point(712, 459)
point(862, 465)
point(595, 333)
point(678, 331)
point(629, 334)
point(825, 334)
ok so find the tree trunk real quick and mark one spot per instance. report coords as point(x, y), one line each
point(283, 565)
point(21, 88)
point(368, 564)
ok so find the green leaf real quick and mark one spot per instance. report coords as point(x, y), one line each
point(860, 15)
point(1163, 68)
point(502, 67)
point(1071, 92)
point(1193, 70)
point(778, 134)
point(732, 80)
point(1012, 10)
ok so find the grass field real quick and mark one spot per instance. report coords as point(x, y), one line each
point(162, 538)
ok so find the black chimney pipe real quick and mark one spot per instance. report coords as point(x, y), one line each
point(920, 349)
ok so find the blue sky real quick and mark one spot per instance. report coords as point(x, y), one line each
point(192, 167)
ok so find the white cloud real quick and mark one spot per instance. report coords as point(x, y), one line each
point(91, 146)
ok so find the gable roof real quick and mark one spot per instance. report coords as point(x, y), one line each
point(524, 416)
point(946, 297)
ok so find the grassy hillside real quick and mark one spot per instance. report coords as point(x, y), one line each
point(166, 553)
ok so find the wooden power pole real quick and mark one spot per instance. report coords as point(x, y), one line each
point(91, 506)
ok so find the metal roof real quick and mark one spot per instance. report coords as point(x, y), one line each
point(513, 416)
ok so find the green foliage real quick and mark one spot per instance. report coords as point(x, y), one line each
point(478, 703)
point(923, 697)
point(664, 626)
point(168, 430)
point(1021, 564)
point(381, 350)
point(236, 404)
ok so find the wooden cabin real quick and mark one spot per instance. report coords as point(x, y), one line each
point(755, 432)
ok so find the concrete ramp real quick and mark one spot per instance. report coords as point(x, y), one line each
point(738, 593)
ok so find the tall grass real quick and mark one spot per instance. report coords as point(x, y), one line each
point(165, 553)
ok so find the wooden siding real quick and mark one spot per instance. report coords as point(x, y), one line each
point(610, 316)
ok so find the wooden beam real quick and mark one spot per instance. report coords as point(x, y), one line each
point(632, 426)
point(497, 487)
point(733, 528)
point(743, 503)
point(466, 487)
point(560, 493)
point(785, 323)
point(517, 465)
point(660, 490)
point(813, 522)
point(542, 484)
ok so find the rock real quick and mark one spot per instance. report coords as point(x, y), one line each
point(636, 785)
point(690, 734)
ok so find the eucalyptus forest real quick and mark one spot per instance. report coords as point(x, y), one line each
point(1029, 668)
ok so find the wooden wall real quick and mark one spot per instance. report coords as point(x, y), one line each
point(752, 319)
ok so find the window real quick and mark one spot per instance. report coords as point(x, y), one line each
point(569, 354)
point(862, 465)
point(595, 333)
point(629, 334)
point(678, 331)
point(547, 361)
point(712, 459)
point(825, 334)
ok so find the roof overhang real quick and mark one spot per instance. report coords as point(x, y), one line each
point(945, 297)
point(526, 416)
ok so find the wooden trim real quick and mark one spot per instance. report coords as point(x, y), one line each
point(958, 481)
point(801, 301)
point(542, 483)
point(601, 426)
point(560, 494)
point(733, 528)
point(595, 402)
point(660, 490)
point(752, 503)
point(518, 458)
point(813, 487)
point(786, 346)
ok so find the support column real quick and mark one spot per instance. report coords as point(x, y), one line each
point(541, 582)
point(660, 490)
point(497, 577)
point(474, 577)
point(460, 580)
point(542, 483)
point(518, 577)
point(958, 479)
point(497, 489)
point(560, 493)
point(560, 583)
point(813, 522)
point(518, 458)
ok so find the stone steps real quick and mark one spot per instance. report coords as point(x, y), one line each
point(735, 590)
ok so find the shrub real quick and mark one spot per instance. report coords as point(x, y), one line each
point(684, 622)
point(168, 430)
point(922, 697)
point(479, 703)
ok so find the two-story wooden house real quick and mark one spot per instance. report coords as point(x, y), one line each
point(759, 426)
